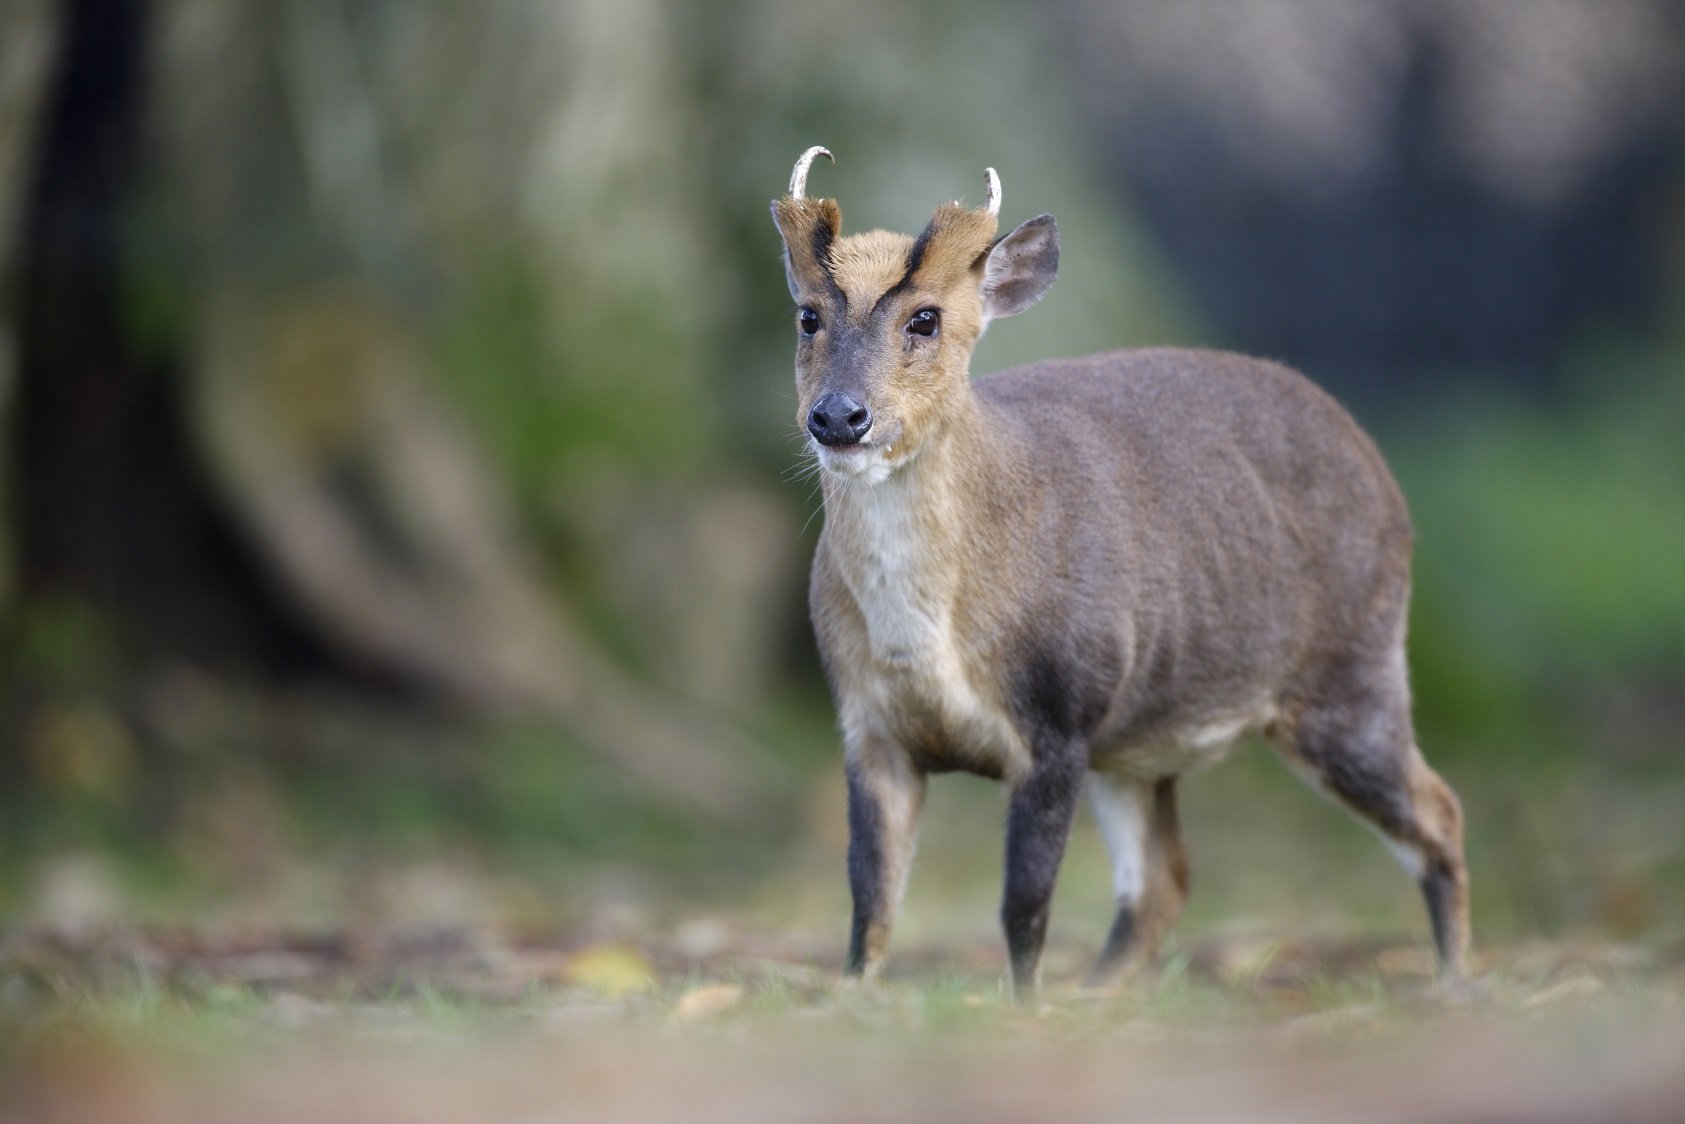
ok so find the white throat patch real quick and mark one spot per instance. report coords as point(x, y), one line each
point(906, 598)
point(867, 464)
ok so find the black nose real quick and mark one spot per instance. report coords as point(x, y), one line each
point(838, 419)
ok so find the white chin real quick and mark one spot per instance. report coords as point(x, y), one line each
point(866, 463)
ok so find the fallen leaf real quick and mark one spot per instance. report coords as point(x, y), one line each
point(707, 1001)
point(613, 970)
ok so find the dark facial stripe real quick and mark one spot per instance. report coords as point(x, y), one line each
point(915, 258)
point(820, 247)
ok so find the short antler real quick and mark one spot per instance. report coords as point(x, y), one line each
point(991, 191)
point(798, 177)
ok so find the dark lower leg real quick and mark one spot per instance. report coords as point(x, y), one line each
point(1038, 826)
point(1444, 880)
point(1120, 949)
point(1417, 811)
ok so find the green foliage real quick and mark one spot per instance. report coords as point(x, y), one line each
point(1549, 546)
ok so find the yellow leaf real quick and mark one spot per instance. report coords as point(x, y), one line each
point(614, 970)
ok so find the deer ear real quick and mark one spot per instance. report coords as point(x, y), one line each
point(784, 248)
point(1020, 268)
point(790, 276)
point(808, 227)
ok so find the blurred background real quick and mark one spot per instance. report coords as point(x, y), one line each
point(397, 424)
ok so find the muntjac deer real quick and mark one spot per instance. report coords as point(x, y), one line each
point(1103, 569)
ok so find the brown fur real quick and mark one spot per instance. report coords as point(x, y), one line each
point(1168, 875)
point(808, 226)
point(866, 265)
point(1118, 563)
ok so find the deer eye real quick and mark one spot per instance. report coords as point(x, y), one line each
point(924, 322)
point(808, 320)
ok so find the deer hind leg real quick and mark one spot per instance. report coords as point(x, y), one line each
point(1363, 752)
point(1139, 823)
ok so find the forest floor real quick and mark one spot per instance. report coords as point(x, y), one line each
point(444, 980)
point(711, 1022)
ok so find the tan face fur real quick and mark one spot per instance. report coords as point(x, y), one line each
point(865, 290)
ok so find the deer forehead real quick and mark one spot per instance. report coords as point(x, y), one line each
point(950, 251)
point(866, 266)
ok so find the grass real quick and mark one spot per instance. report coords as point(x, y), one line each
point(198, 1001)
point(1216, 1029)
point(463, 984)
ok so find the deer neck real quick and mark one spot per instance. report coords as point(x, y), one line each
point(907, 545)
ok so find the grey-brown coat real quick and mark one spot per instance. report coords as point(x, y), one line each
point(1108, 567)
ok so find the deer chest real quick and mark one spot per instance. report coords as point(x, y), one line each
point(927, 686)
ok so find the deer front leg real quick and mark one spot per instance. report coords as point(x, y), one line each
point(885, 794)
point(1038, 825)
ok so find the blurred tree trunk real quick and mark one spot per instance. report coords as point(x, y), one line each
point(112, 509)
point(269, 491)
